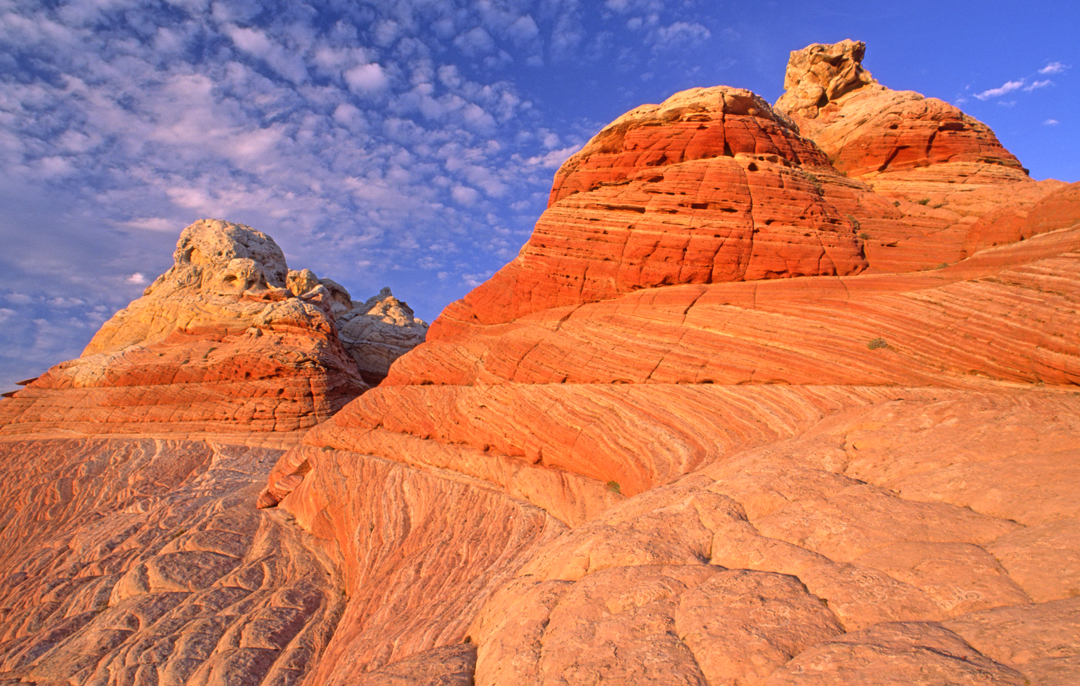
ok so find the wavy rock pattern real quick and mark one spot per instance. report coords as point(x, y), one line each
point(141, 562)
point(1006, 314)
point(861, 473)
point(422, 552)
point(722, 422)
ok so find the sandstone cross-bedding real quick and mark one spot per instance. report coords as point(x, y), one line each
point(773, 395)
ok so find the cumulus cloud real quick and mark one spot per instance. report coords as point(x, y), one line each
point(552, 159)
point(680, 33)
point(366, 78)
point(1053, 68)
point(465, 195)
point(476, 41)
point(137, 278)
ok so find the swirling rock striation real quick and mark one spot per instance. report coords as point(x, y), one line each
point(801, 383)
point(136, 561)
point(745, 410)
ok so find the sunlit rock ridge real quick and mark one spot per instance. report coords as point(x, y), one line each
point(773, 395)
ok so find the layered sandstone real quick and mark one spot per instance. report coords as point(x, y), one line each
point(228, 339)
point(722, 422)
point(857, 473)
point(709, 186)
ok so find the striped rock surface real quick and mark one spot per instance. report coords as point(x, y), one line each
point(747, 436)
point(861, 472)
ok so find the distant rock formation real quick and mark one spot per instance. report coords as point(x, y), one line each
point(378, 332)
point(227, 340)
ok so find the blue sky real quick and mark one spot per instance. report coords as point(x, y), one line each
point(410, 143)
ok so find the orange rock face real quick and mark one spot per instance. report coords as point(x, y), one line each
point(745, 410)
point(860, 469)
point(710, 186)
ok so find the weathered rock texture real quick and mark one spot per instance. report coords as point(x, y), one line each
point(724, 421)
point(860, 472)
point(130, 561)
point(229, 339)
point(378, 332)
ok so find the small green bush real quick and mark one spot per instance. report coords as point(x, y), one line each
point(877, 343)
point(924, 201)
point(614, 487)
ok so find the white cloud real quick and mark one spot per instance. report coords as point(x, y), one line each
point(1051, 122)
point(257, 43)
point(1037, 84)
point(137, 278)
point(1053, 68)
point(464, 195)
point(1008, 87)
point(366, 78)
point(523, 30)
point(476, 41)
point(680, 34)
point(160, 224)
point(552, 159)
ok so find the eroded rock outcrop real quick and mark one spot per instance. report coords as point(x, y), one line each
point(228, 339)
point(858, 473)
point(709, 186)
point(378, 332)
point(943, 168)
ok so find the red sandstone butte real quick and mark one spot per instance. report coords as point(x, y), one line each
point(709, 186)
point(745, 410)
